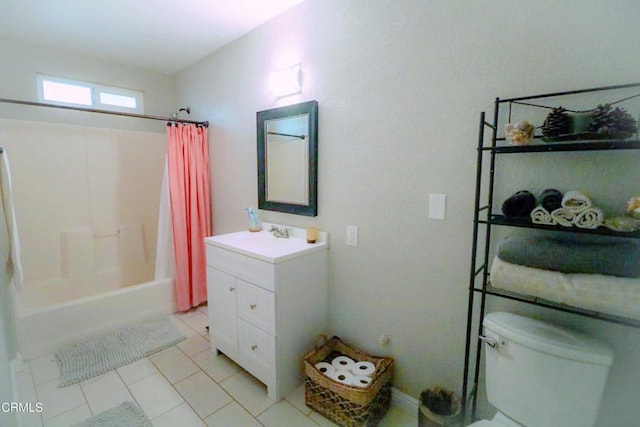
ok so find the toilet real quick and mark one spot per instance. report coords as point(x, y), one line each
point(541, 375)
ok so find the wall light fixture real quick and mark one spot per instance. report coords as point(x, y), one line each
point(285, 82)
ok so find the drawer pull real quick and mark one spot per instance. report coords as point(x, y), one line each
point(232, 288)
point(252, 306)
point(254, 347)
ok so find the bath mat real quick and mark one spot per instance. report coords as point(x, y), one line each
point(126, 414)
point(98, 355)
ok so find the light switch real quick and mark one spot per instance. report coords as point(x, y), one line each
point(352, 235)
point(437, 204)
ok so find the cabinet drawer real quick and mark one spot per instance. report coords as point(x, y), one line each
point(257, 306)
point(241, 266)
point(257, 346)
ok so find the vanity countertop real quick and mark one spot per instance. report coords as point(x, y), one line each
point(264, 246)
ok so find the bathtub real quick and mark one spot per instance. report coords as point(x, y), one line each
point(88, 236)
point(43, 329)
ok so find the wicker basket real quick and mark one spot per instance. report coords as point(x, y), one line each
point(344, 404)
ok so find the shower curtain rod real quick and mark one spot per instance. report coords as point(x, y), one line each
point(93, 110)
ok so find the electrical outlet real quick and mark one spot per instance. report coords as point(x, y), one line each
point(384, 339)
point(352, 235)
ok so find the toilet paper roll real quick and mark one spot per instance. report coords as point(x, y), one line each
point(343, 363)
point(344, 377)
point(361, 381)
point(325, 368)
point(363, 368)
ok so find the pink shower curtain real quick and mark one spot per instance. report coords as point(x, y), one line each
point(190, 195)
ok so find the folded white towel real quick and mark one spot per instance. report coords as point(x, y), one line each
point(590, 218)
point(10, 215)
point(615, 295)
point(575, 201)
point(563, 216)
point(542, 216)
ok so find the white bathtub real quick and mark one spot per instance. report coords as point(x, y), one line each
point(42, 330)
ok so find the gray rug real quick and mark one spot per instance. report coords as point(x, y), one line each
point(126, 414)
point(98, 355)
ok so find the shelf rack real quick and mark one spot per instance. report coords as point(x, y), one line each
point(479, 277)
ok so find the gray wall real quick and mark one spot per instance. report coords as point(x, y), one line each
point(400, 86)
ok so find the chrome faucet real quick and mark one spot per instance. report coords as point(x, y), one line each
point(279, 232)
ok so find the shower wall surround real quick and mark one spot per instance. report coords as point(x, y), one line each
point(87, 201)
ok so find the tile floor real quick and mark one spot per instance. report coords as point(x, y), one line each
point(185, 385)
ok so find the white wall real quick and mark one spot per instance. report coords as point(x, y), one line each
point(23, 61)
point(400, 85)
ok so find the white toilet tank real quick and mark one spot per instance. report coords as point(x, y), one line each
point(541, 375)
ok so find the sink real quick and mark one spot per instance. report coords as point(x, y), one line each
point(264, 246)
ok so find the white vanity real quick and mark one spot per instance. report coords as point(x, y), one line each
point(267, 302)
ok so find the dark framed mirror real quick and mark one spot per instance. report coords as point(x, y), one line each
point(288, 159)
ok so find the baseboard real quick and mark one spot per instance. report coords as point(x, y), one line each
point(404, 401)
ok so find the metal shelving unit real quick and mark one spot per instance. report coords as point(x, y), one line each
point(485, 219)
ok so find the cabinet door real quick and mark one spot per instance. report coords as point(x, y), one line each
point(223, 313)
point(256, 306)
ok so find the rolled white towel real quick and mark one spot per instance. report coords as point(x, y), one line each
point(563, 216)
point(575, 201)
point(590, 218)
point(542, 216)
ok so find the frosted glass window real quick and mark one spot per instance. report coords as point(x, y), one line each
point(67, 93)
point(55, 90)
point(117, 100)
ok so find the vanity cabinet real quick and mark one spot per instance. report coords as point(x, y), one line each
point(267, 303)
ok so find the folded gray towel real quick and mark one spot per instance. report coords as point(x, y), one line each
point(615, 257)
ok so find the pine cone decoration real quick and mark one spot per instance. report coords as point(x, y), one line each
point(612, 122)
point(625, 124)
point(556, 123)
point(602, 121)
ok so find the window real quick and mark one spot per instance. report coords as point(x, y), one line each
point(65, 92)
point(54, 90)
